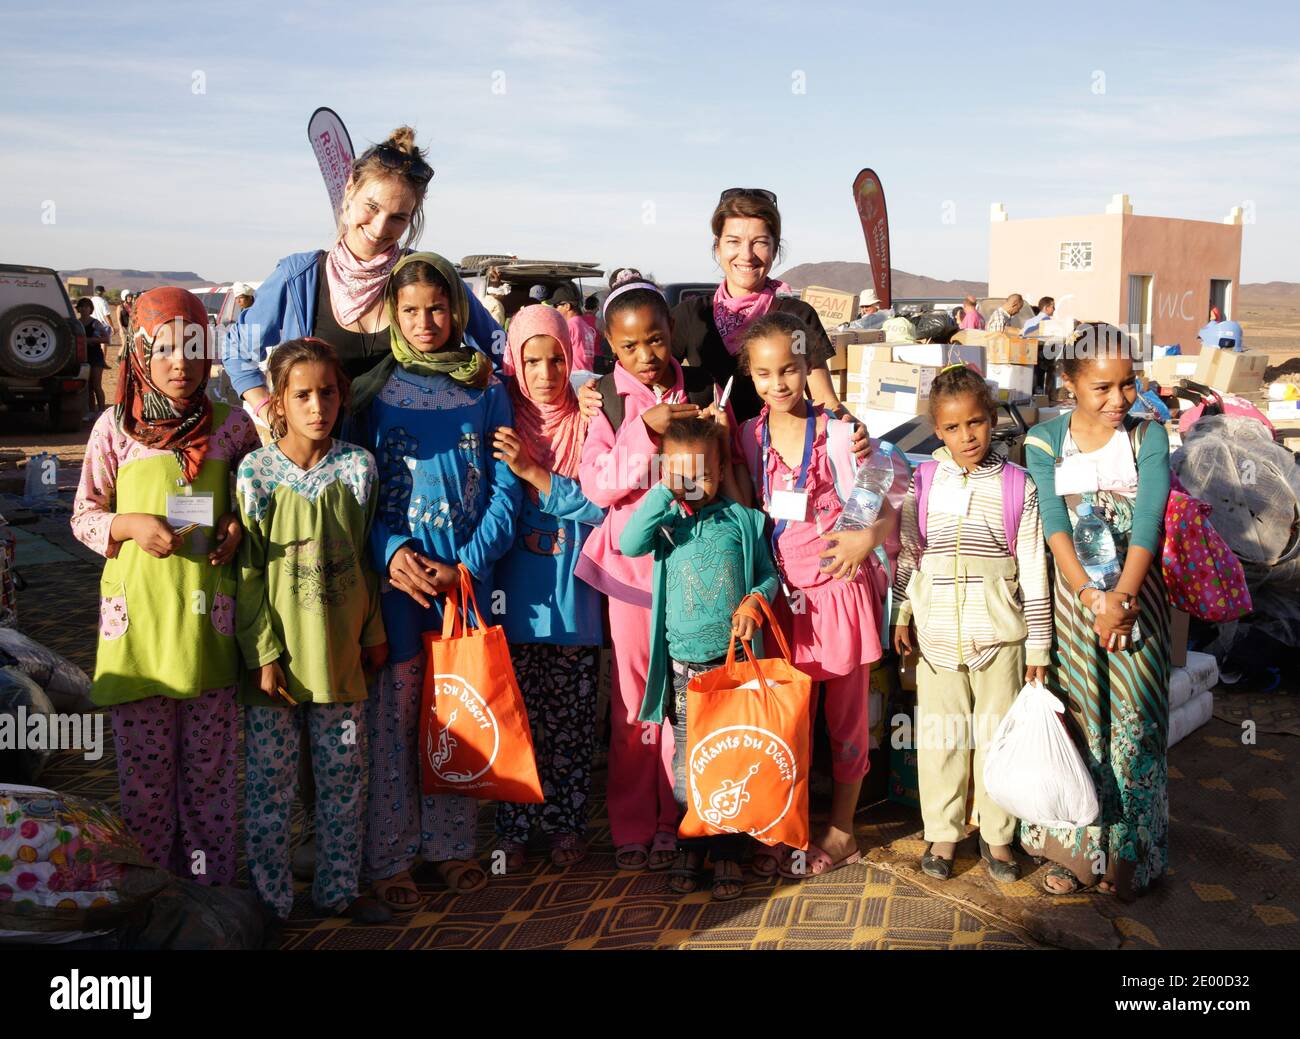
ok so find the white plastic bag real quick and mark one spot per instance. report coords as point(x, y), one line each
point(1032, 768)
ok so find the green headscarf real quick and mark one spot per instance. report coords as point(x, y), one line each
point(467, 366)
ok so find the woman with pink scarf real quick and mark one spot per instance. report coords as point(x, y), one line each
point(706, 331)
point(338, 294)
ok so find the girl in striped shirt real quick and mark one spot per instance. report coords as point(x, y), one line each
point(972, 577)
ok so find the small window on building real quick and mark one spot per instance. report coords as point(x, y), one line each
point(1076, 256)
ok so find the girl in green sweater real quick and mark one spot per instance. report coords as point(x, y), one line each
point(309, 627)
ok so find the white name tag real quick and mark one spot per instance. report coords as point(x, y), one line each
point(1076, 475)
point(789, 505)
point(186, 509)
point(952, 501)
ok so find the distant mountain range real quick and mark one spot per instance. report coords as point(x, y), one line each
point(854, 277)
point(847, 277)
point(113, 278)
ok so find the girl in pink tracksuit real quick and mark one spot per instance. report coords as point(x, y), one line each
point(619, 465)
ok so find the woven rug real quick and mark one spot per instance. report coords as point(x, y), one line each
point(1233, 848)
point(1271, 712)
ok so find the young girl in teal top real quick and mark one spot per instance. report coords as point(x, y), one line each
point(709, 554)
point(1110, 660)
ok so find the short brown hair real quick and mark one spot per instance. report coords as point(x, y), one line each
point(299, 351)
point(747, 206)
point(369, 166)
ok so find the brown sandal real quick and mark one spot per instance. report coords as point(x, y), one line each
point(385, 889)
point(453, 873)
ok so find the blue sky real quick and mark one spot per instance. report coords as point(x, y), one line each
point(618, 126)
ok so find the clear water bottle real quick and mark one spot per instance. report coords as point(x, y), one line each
point(875, 476)
point(1095, 546)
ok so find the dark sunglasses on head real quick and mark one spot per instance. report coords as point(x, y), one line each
point(759, 192)
point(396, 159)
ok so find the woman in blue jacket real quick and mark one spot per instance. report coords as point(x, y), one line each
point(338, 295)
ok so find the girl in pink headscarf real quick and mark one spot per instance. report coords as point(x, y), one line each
point(552, 619)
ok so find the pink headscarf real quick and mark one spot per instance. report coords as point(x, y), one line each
point(356, 285)
point(554, 433)
point(732, 314)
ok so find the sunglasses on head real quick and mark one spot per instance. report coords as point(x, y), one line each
point(757, 192)
point(396, 159)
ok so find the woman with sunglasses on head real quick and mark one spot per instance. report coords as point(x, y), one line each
point(746, 227)
point(338, 294)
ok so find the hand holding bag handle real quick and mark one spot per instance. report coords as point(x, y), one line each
point(460, 599)
point(758, 608)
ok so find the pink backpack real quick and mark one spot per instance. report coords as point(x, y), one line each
point(1202, 575)
point(1013, 499)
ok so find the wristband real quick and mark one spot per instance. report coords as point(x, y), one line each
point(257, 408)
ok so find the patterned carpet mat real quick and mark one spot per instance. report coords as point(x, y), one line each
point(1235, 840)
point(1234, 843)
point(1271, 712)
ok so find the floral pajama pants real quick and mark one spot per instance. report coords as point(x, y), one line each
point(272, 742)
point(176, 775)
point(559, 688)
point(401, 823)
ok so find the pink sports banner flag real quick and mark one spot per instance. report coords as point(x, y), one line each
point(333, 147)
point(869, 198)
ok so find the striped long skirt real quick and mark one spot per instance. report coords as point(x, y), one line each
point(1119, 703)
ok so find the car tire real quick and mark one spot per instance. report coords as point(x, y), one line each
point(35, 342)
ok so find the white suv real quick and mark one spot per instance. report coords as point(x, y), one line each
point(42, 347)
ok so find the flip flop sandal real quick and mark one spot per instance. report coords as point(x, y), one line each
point(684, 872)
point(663, 843)
point(632, 858)
point(516, 853)
point(402, 882)
point(767, 860)
point(571, 844)
point(453, 871)
point(735, 878)
point(1061, 873)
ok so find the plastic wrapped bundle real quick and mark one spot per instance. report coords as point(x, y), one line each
point(1253, 486)
point(1190, 716)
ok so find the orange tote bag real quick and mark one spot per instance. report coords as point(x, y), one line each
point(747, 745)
point(474, 735)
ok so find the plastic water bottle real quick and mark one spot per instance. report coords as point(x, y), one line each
point(1095, 546)
point(875, 476)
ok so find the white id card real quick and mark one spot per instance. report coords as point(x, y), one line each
point(789, 505)
point(953, 501)
point(184, 510)
point(1076, 475)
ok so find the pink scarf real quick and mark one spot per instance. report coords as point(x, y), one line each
point(356, 285)
point(732, 314)
point(553, 433)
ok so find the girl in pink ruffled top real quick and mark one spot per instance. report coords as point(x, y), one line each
point(834, 584)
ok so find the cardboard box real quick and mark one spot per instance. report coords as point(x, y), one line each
point(860, 356)
point(1015, 380)
point(880, 424)
point(1230, 372)
point(900, 388)
point(842, 341)
point(1168, 370)
point(937, 355)
point(832, 306)
point(1286, 410)
point(972, 336)
point(1001, 348)
point(1179, 623)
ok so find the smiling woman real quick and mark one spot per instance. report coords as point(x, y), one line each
point(380, 218)
point(746, 226)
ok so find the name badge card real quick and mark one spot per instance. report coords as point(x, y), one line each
point(1076, 475)
point(189, 510)
point(789, 505)
point(950, 500)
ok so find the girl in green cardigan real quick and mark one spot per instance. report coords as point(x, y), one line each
point(1114, 676)
point(310, 628)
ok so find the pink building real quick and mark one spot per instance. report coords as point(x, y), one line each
point(1155, 274)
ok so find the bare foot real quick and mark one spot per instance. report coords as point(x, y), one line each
point(838, 844)
point(1001, 852)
